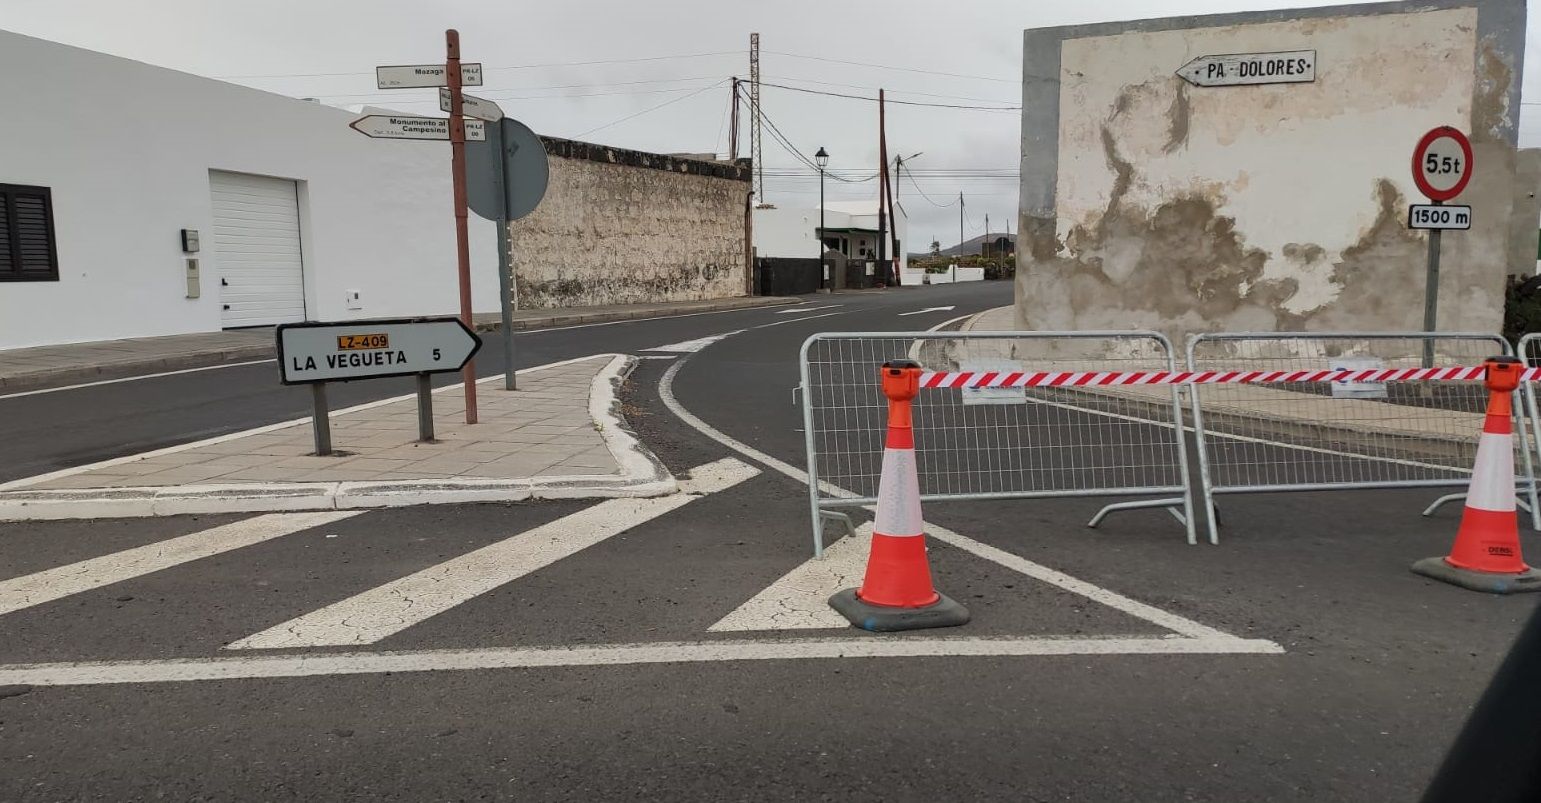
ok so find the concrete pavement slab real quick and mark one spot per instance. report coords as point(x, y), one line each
point(379, 462)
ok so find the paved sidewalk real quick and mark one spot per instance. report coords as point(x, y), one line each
point(50, 366)
point(559, 435)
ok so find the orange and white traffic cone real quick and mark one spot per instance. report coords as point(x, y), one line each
point(896, 593)
point(1486, 555)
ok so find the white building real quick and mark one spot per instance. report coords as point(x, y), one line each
point(105, 161)
point(850, 227)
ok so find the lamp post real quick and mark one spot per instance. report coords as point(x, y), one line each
point(822, 159)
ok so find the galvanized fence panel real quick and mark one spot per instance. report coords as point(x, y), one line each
point(1255, 438)
point(1017, 443)
point(1529, 349)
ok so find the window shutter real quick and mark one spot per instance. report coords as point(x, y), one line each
point(7, 265)
point(32, 240)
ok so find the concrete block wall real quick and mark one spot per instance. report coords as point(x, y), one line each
point(619, 227)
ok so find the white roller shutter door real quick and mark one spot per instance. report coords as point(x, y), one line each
point(256, 249)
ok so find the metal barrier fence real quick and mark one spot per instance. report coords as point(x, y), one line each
point(1529, 352)
point(1014, 443)
point(1257, 438)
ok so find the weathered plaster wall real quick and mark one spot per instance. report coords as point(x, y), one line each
point(621, 227)
point(1149, 203)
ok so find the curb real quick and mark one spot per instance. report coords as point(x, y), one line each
point(641, 474)
point(54, 377)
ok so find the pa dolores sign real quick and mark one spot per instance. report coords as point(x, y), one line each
point(1247, 69)
point(336, 352)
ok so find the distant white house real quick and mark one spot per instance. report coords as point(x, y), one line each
point(850, 227)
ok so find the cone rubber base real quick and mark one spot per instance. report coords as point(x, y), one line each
point(884, 619)
point(1489, 582)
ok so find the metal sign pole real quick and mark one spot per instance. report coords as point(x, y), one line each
point(457, 146)
point(505, 258)
point(1431, 294)
point(321, 422)
point(424, 408)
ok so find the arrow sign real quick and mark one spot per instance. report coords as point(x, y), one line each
point(1248, 69)
point(400, 126)
point(480, 108)
point(414, 76)
point(334, 352)
point(927, 309)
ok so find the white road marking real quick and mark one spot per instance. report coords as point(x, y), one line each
point(926, 310)
point(800, 310)
point(692, 346)
point(359, 663)
point(46, 586)
point(388, 609)
point(796, 320)
point(134, 378)
point(800, 598)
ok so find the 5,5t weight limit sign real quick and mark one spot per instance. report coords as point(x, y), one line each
point(1442, 163)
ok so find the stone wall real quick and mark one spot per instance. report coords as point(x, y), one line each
point(1150, 203)
point(621, 227)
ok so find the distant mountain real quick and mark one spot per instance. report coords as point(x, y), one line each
point(974, 245)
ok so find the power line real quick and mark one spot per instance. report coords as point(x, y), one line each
point(891, 67)
point(923, 194)
point(489, 94)
point(895, 102)
point(873, 88)
point(505, 67)
point(786, 144)
point(652, 108)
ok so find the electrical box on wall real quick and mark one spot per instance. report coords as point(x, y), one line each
point(190, 241)
point(352, 300)
point(193, 289)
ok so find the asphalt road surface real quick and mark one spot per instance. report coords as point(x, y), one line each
point(627, 649)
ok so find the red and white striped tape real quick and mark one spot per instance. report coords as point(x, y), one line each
point(1052, 379)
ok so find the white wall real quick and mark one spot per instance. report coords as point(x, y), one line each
point(127, 148)
point(787, 231)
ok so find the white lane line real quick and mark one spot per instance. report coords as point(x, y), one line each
point(46, 586)
point(692, 346)
point(801, 310)
point(359, 663)
point(928, 309)
point(800, 598)
point(182, 447)
point(796, 320)
point(388, 609)
point(1112, 599)
point(133, 378)
point(1171, 621)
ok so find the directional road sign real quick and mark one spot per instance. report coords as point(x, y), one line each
point(1246, 69)
point(1438, 216)
point(400, 126)
point(336, 352)
point(480, 108)
point(413, 76)
point(1442, 163)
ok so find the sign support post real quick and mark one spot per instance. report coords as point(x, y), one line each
point(321, 421)
point(457, 148)
point(424, 408)
point(505, 256)
point(1431, 294)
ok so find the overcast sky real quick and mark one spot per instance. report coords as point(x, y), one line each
point(328, 49)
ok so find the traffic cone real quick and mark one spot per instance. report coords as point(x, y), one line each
point(1486, 555)
point(896, 593)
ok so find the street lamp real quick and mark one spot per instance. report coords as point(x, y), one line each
point(822, 159)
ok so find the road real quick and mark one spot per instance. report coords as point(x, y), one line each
point(259, 657)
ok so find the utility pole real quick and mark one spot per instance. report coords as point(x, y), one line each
point(960, 238)
point(882, 266)
point(756, 136)
point(733, 134)
point(457, 150)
